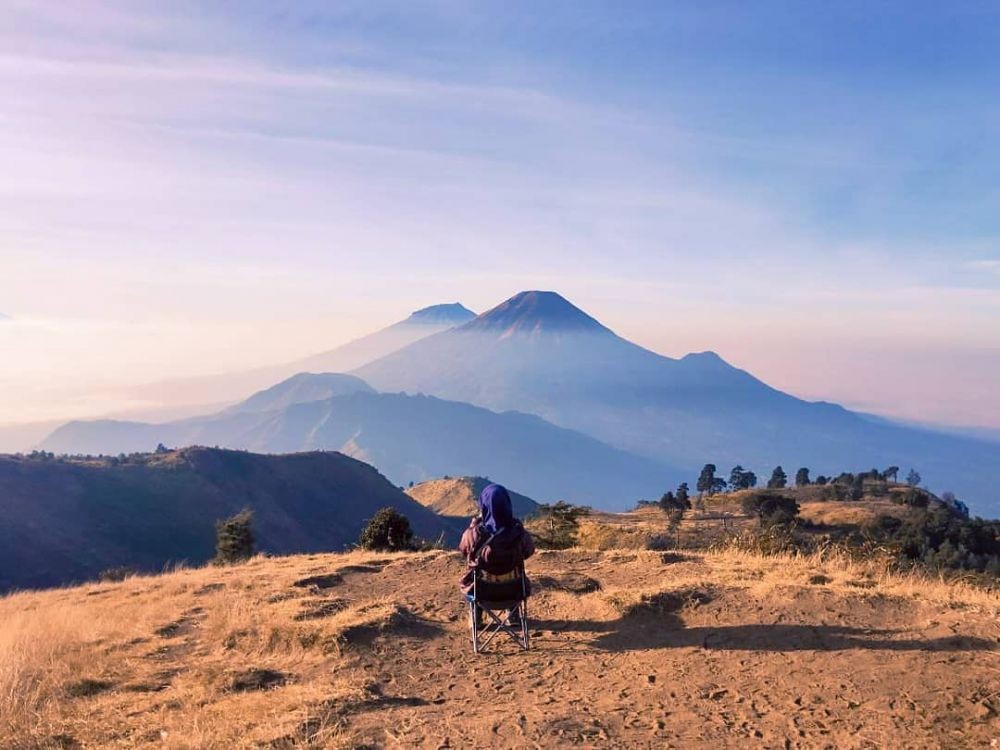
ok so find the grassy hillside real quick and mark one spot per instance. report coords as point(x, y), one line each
point(65, 520)
point(458, 497)
point(630, 649)
point(901, 525)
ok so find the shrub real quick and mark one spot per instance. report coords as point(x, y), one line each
point(234, 539)
point(914, 498)
point(772, 509)
point(387, 530)
point(116, 574)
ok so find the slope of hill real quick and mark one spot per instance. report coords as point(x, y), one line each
point(538, 353)
point(459, 496)
point(228, 387)
point(67, 520)
point(410, 439)
point(419, 325)
point(629, 650)
point(301, 388)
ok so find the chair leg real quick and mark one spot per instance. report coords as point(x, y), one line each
point(474, 626)
point(524, 623)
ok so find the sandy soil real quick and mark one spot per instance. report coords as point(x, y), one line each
point(630, 650)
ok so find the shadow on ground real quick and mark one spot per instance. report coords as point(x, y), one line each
point(668, 631)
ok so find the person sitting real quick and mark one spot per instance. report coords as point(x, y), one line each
point(495, 547)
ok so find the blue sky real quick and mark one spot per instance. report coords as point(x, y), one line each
point(808, 188)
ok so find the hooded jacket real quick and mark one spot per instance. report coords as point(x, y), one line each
point(504, 543)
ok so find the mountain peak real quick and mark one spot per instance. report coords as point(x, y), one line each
point(533, 311)
point(452, 312)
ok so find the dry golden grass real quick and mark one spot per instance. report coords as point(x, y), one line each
point(841, 572)
point(175, 660)
point(71, 658)
point(603, 536)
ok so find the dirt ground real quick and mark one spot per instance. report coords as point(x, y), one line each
point(629, 650)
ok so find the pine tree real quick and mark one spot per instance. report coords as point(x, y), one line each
point(779, 480)
point(559, 523)
point(913, 478)
point(802, 477)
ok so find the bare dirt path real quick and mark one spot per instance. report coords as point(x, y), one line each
point(704, 660)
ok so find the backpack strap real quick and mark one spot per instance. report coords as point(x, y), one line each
point(477, 553)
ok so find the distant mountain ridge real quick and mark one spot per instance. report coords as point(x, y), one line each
point(64, 520)
point(533, 312)
point(226, 388)
point(301, 388)
point(538, 353)
point(408, 438)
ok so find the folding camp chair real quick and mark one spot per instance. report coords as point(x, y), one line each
point(497, 612)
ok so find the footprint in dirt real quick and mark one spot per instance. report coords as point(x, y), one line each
point(319, 582)
point(317, 610)
point(573, 583)
point(373, 568)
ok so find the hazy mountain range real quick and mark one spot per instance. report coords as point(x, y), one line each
point(409, 439)
point(538, 354)
point(226, 388)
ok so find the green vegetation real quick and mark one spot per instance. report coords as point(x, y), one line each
point(387, 530)
point(772, 509)
point(939, 538)
point(934, 532)
point(778, 480)
point(740, 479)
point(556, 526)
point(234, 539)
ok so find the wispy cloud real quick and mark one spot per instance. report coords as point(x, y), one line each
point(319, 161)
point(987, 265)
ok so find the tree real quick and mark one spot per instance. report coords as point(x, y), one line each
point(387, 530)
point(558, 524)
point(670, 502)
point(740, 479)
point(706, 480)
point(161, 448)
point(802, 477)
point(771, 509)
point(683, 494)
point(913, 478)
point(778, 480)
point(821, 480)
point(234, 538)
point(891, 473)
point(718, 485)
